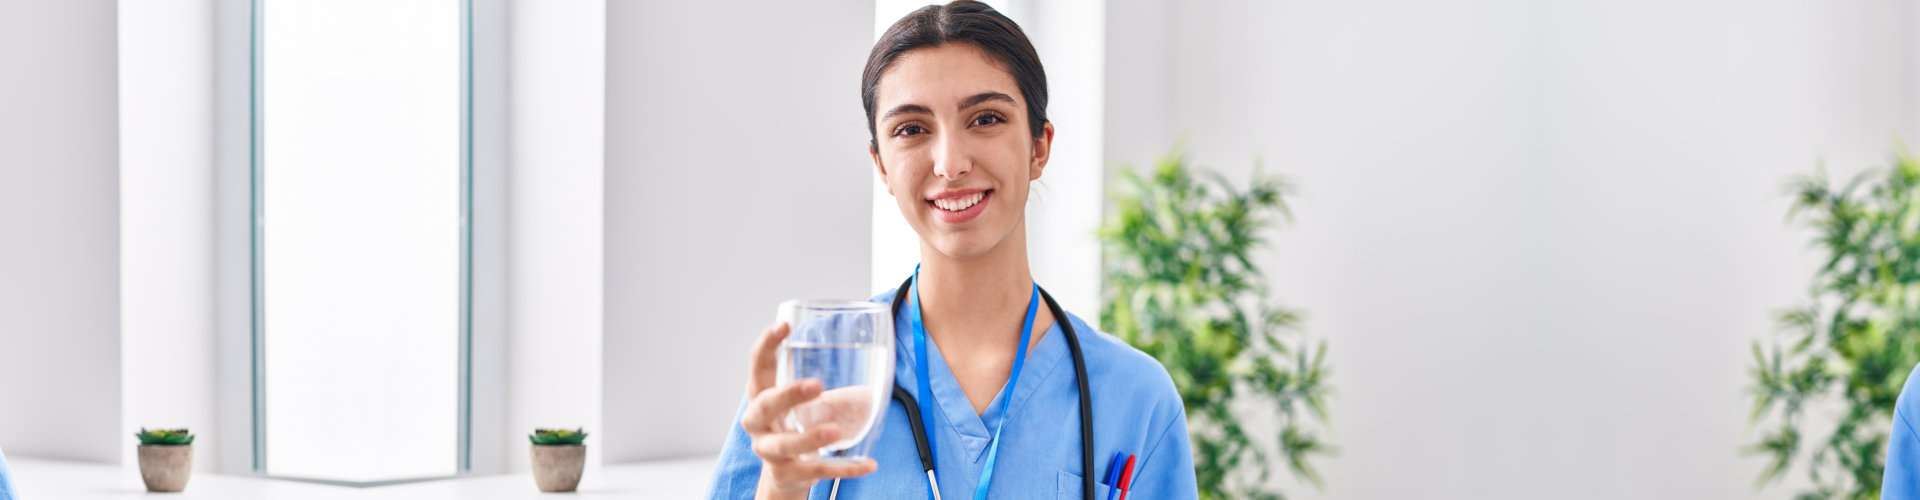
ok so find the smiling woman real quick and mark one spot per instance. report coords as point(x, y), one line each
point(955, 98)
point(953, 149)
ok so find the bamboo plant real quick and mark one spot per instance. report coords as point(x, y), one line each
point(1181, 284)
point(1852, 342)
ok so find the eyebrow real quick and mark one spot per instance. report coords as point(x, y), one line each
point(984, 97)
point(969, 102)
point(906, 109)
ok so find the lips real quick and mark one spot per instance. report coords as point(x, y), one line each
point(955, 208)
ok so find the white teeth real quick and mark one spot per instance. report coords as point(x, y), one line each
point(958, 204)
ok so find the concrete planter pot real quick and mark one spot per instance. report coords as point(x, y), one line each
point(166, 467)
point(557, 467)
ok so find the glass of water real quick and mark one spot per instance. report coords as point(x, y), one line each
point(848, 347)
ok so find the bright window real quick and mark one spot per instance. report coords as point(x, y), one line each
point(359, 254)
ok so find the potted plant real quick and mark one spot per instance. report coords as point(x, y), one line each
point(1826, 381)
point(558, 458)
point(1181, 285)
point(166, 458)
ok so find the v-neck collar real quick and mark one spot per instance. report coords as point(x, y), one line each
point(974, 431)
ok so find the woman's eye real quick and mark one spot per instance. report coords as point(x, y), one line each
point(985, 120)
point(908, 130)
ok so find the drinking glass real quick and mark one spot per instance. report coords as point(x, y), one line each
point(848, 347)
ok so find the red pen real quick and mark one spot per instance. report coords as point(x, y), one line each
point(1126, 478)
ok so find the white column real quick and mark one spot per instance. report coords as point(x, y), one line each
point(166, 223)
point(233, 243)
point(557, 101)
point(1064, 210)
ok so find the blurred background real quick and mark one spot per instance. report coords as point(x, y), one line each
point(1538, 238)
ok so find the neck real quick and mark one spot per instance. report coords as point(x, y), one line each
point(971, 299)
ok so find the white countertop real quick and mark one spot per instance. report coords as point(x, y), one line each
point(37, 479)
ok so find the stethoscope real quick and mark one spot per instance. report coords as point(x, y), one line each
point(1080, 375)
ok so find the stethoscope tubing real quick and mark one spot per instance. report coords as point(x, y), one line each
point(1080, 376)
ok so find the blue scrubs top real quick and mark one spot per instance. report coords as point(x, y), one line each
point(1902, 479)
point(1135, 406)
point(6, 479)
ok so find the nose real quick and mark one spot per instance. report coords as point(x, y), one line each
point(950, 159)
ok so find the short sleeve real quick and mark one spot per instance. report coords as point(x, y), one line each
point(6, 479)
point(1902, 479)
point(1168, 470)
point(737, 475)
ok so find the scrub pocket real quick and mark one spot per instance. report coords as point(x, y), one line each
point(1070, 487)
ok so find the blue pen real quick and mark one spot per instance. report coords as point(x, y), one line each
point(1113, 475)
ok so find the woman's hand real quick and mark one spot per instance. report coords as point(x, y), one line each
point(788, 469)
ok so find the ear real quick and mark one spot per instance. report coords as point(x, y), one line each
point(873, 149)
point(1042, 150)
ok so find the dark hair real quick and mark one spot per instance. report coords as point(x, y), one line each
point(962, 21)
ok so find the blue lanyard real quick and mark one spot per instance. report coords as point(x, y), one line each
point(920, 365)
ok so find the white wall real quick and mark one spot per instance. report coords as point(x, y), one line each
point(166, 222)
point(60, 214)
point(1538, 238)
point(557, 62)
point(736, 177)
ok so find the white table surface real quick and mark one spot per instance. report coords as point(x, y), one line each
point(38, 479)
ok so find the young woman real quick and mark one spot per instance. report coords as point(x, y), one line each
point(956, 98)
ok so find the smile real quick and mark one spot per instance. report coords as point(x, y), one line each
point(961, 203)
point(957, 208)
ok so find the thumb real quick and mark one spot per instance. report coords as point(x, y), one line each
point(764, 363)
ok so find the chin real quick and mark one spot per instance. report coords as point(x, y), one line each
point(964, 245)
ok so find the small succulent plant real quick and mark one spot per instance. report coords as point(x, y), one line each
point(558, 436)
point(164, 436)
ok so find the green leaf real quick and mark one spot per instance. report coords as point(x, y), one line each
point(1182, 283)
point(170, 437)
point(558, 436)
point(1853, 344)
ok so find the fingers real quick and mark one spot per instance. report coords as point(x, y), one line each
point(763, 364)
point(808, 471)
point(765, 409)
point(767, 403)
point(834, 471)
point(786, 445)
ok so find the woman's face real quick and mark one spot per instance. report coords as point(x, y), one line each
point(953, 147)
